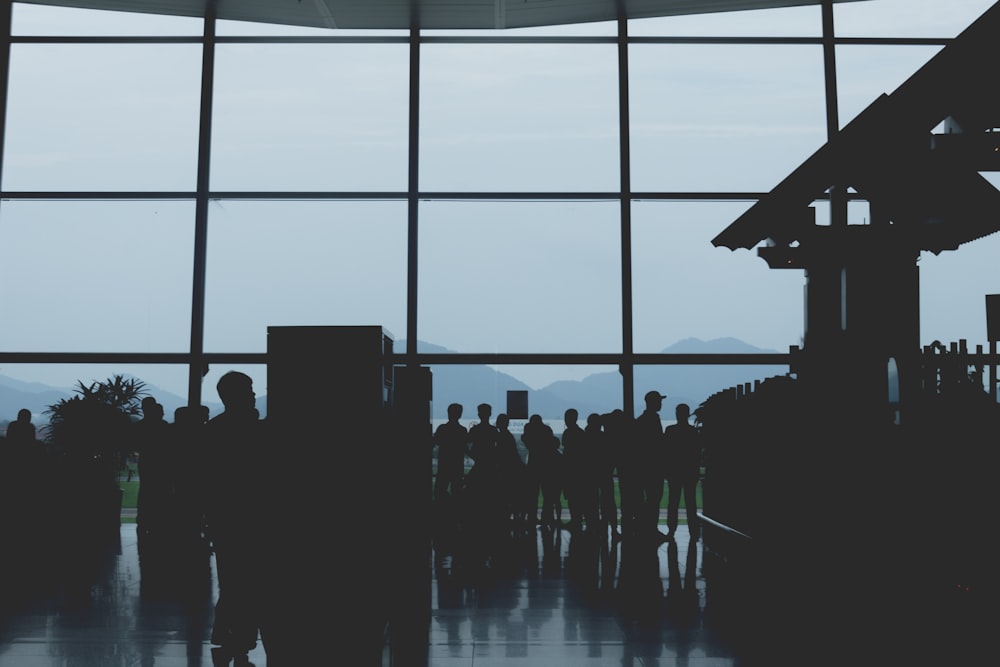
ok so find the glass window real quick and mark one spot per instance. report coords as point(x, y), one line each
point(96, 276)
point(685, 288)
point(718, 118)
point(693, 385)
point(310, 117)
point(782, 22)
point(551, 391)
point(906, 18)
point(519, 117)
point(102, 117)
point(953, 289)
point(37, 386)
point(520, 276)
point(33, 19)
point(284, 263)
point(866, 72)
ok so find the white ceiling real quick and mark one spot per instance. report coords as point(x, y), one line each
point(427, 14)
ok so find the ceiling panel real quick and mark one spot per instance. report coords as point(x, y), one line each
point(427, 14)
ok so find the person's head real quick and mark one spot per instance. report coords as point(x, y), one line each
point(503, 421)
point(654, 400)
point(485, 410)
point(149, 407)
point(571, 416)
point(594, 420)
point(455, 412)
point(24, 415)
point(236, 391)
point(683, 412)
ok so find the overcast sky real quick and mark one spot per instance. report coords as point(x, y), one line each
point(494, 276)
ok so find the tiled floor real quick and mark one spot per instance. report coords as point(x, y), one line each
point(555, 598)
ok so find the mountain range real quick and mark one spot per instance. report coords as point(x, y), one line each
point(474, 384)
point(599, 392)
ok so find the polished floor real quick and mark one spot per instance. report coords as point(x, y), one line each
point(554, 598)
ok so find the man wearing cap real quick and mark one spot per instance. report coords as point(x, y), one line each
point(649, 449)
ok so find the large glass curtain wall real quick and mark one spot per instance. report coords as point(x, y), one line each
point(539, 200)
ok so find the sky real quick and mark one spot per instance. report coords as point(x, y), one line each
point(493, 276)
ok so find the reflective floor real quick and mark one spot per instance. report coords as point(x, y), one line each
point(555, 598)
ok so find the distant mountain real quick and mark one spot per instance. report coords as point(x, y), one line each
point(681, 384)
point(16, 394)
point(474, 384)
point(600, 392)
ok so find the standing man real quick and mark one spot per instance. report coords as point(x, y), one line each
point(451, 439)
point(682, 469)
point(648, 436)
point(574, 460)
point(236, 506)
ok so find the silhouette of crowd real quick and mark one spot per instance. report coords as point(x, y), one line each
point(206, 486)
point(607, 479)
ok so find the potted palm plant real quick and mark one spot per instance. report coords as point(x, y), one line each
point(89, 433)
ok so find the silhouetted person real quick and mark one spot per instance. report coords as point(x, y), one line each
point(543, 468)
point(187, 443)
point(235, 506)
point(682, 464)
point(485, 499)
point(590, 474)
point(648, 435)
point(608, 463)
point(451, 440)
point(22, 431)
point(573, 466)
point(154, 504)
point(22, 461)
point(513, 475)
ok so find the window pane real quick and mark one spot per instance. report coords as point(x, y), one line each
point(100, 117)
point(31, 19)
point(587, 388)
point(684, 287)
point(953, 289)
point(693, 385)
point(866, 72)
point(519, 117)
point(302, 263)
point(310, 117)
point(718, 118)
point(906, 18)
point(520, 276)
point(89, 276)
point(790, 21)
point(37, 386)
